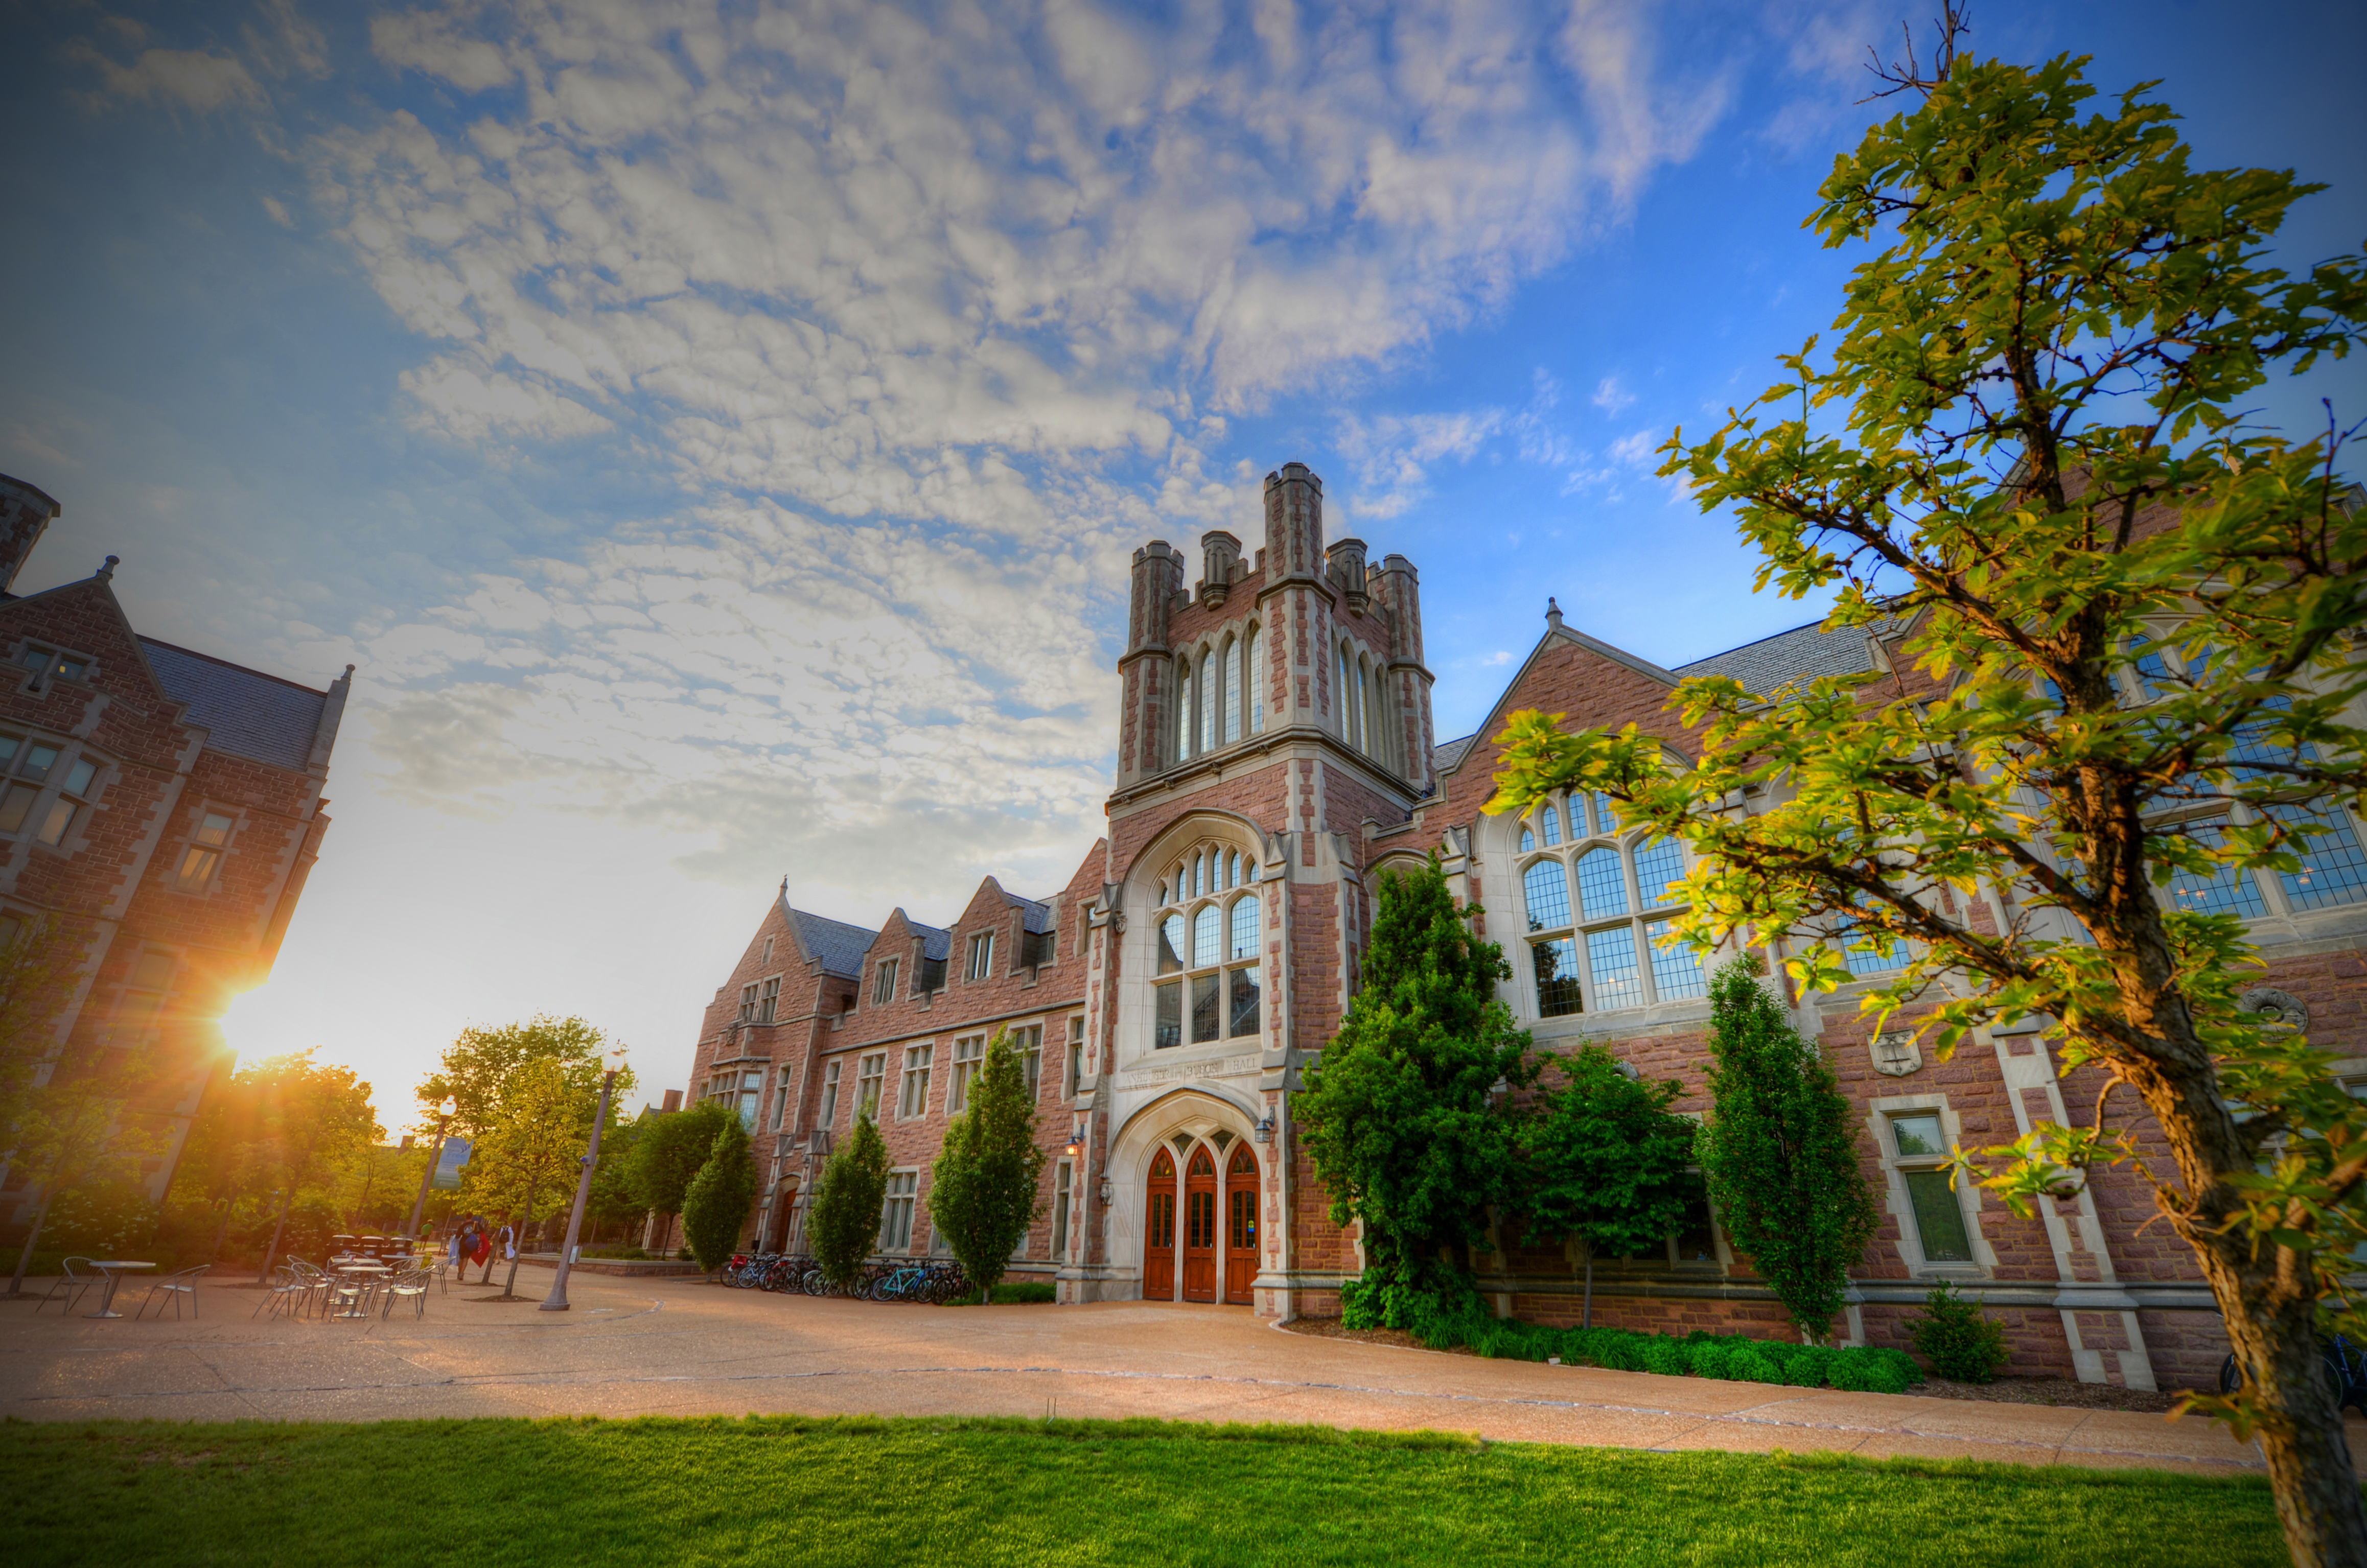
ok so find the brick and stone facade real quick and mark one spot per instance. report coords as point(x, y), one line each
point(160, 809)
point(1276, 755)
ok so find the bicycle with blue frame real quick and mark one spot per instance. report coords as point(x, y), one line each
point(903, 1281)
point(2345, 1373)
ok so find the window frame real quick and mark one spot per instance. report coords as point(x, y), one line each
point(977, 962)
point(912, 1081)
point(870, 1085)
point(768, 1000)
point(968, 1060)
point(901, 1202)
point(883, 984)
point(1592, 829)
point(1211, 880)
point(1887, 1112)
point(831, 1071)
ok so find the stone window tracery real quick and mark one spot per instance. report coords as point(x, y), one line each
point(1600, 912)
point(1207, 937)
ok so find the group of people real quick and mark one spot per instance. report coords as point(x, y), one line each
point(474, 1240)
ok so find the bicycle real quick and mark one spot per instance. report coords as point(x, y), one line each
point(2345, 1371)
point(902, 1282)
point(785, 1274)
point(744, 1273)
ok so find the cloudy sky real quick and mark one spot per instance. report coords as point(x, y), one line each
point(718, 432)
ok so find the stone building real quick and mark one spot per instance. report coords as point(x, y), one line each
point(1275, 756)
point(161, 808)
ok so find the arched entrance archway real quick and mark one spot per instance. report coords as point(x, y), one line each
point(1241, 1226)
point(1158, 1232)
point(1200, 1227)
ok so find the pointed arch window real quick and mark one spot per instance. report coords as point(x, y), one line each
point(1207, 985)
point(1255, 678)
point(1182, 708)
point(1211, 699)
point(1550, 819)
point(1232, 692)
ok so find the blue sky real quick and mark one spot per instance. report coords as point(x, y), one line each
point(718, 432)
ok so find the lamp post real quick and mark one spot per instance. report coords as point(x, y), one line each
point(443, 1119)
point(556, 1300)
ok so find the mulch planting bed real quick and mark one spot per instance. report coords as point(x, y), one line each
point(2004, 1391)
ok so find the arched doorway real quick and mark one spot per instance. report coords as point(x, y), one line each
point(1158, 1232)
point(1200, 1227)
point(1241, 1226)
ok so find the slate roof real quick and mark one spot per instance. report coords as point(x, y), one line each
point(1445, 754)
point(1036, 916)
point(1803, 653)
point(839, 946)
point(936, 942)
point(246, 712)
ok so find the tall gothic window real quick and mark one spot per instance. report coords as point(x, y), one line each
point(1209, 702)
point(1208, 985)
point(1232, 692)
point(1182, 709)
point(1256, 678)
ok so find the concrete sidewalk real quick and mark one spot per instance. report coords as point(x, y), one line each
point(674, 1347)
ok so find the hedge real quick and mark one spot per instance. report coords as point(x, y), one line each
point(1858, 1368)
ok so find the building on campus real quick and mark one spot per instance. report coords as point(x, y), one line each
point(161, 808)
point(1276, 755)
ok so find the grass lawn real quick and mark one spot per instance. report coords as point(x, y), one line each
point(787, 1489)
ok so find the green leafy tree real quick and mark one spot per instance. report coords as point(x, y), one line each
point(533, 1149)
point(1962, 1341)
point(309, 1121)
point(1780, 1151)
point(477, 1067)
point(982, 1189)
point(1603, 1158)
point(717, 1204)
point(844, 1220)
point(1398, 1116)
point(2129, 615)
point(41, 960)
point(668, 1151)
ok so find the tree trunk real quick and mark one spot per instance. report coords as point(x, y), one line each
point(1586, 1312)
point(277, 1231)
point(2273, 1327)
point(25, 1258)
point(517, 1244)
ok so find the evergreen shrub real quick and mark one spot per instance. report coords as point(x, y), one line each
point(1737, 1357)
point(1963, 1342)
point(1665, 1356)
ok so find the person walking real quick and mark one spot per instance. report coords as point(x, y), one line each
point(455, 1249)
point(484, 1254)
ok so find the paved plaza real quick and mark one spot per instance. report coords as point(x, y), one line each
point(677, 1346)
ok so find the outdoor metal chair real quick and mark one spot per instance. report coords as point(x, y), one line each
point(411, 1285)
point(288, 1294)
point(69, 1286)
point(175, 1287)
point(312, 1283)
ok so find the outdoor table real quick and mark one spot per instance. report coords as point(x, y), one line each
point(107, 1302)
point(363, 1266)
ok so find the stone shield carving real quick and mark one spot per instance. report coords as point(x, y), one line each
point(1896, 1056)
point(2278, 1009)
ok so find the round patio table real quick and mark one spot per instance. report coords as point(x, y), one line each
point(364, 1267)
point(107, 1302)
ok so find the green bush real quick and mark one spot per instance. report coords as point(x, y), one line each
point(1012, 1293)
point(1807, 1366)
point(1747, 1365)
point(1962, 1341)
point(1665, 1356)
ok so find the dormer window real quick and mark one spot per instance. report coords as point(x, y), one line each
point(981, 957)
point(883, 989)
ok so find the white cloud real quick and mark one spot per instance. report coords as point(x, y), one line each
point(930, 317)
point(1611, 396)
point(201, 80)
point(463, 402)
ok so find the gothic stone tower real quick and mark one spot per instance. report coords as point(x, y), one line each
point(1277, 717)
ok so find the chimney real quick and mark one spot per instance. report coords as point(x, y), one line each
point(672, 1100)
point(25, 515)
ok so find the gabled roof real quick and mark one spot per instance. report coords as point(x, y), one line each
point(1803, 653)
point(246, 712)
point(1446, 753)
point(838, 945)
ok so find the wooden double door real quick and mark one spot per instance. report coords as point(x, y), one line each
point(1215, 1230)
